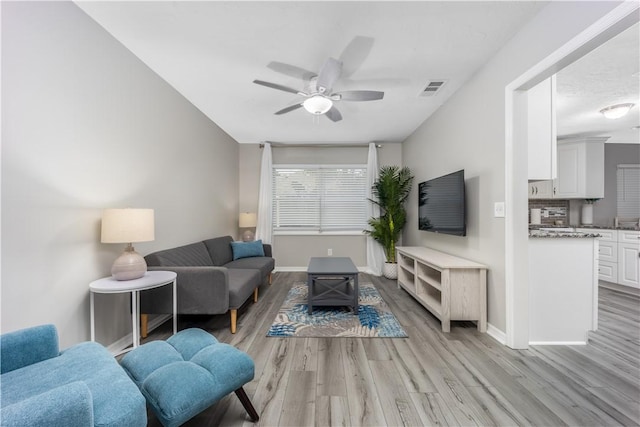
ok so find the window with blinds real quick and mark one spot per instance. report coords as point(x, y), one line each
point(628, 177)
point(320, 198)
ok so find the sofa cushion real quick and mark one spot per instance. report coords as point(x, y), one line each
point(247, 249)
point(116, 399)
point(220, 250)
point(264, 264)
point(242, 282)
point(194, 254)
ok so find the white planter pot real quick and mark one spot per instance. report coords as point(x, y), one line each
point(587, 214)
point(390, 270)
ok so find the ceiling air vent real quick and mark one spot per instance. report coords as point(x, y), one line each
point(433, 87)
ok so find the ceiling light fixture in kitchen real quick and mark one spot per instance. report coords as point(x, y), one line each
point(616, 111)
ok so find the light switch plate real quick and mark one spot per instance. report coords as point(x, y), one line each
point(498, 209)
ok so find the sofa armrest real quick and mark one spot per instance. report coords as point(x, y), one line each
point(267, 250)
point(28, 346)
point(67, 405)
point(201, 290)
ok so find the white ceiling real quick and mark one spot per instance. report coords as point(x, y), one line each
point(211, 51)
point(606, 76)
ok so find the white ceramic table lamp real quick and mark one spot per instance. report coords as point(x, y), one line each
point(248, 220)
point(128, 226)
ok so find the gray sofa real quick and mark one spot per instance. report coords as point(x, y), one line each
point(210, 281)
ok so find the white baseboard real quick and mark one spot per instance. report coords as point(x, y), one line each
point(496, 334)
point(127, 340)
point(557, 343)
point(117, 347)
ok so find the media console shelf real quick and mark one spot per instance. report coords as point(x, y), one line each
point(450, 287)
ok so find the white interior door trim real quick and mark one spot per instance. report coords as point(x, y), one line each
point(516, 237)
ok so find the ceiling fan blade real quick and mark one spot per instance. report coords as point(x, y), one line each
point(288, 109)
point(291, 70)
point(355, 53)
point(329, 73)
point(333, 114)
point(277, 86)
point(360, 95)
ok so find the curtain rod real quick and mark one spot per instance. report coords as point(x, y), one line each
point(320, 145)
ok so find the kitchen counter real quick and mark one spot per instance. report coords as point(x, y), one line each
point(563, 288)
point(610, 227)
point(601, 227)
point(561, 234)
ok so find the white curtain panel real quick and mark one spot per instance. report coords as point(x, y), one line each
point(264, 227)
point(375, 254)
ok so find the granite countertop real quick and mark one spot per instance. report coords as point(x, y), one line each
point(602, 227)
point(562, 234)
point(610, 227)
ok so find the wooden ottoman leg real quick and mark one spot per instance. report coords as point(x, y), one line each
point(248, 406)
point(255, 295)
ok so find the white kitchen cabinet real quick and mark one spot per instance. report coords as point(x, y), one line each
point(541, 130)
point(607, 253)
point(541, 189)
point(629, 258)
point(608, 271)
point(580, 168)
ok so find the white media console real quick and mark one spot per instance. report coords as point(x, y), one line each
point(450, 287)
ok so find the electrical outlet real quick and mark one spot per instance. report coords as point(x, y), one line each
point(329, 252)
point(498, 209)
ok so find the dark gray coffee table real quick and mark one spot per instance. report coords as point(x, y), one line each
point(332, 281)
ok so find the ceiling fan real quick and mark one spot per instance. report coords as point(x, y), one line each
point(319, 98)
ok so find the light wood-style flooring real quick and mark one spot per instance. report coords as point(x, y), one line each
point(463, 378)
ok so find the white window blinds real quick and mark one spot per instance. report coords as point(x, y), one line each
point(628, 177)
point(319, 198)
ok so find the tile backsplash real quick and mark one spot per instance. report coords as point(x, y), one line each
point(553, 211)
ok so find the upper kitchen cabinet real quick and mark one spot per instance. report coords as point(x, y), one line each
point(580, 168)
point(541, 189)
point(541, 130)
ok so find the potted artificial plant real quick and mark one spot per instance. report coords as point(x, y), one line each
point(390, 191)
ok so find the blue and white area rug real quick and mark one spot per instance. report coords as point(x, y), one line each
point(374, 319)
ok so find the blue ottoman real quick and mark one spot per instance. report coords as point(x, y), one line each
point(189, 372)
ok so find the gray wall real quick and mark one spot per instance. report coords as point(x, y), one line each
point(293, 252)
point(468, 132)
point(87, 126)
point(604, 210)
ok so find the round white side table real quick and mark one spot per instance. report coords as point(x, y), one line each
point(150, 280)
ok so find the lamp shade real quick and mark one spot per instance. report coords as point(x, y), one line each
point(127, 225)
point(248, 219)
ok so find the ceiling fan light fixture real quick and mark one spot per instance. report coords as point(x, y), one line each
point(616, 111)
point(317, 104)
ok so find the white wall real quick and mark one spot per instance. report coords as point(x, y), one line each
point(87, 126)
point(469, 132)
point(293, 252)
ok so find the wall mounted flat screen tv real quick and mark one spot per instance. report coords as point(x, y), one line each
point(441, 205)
